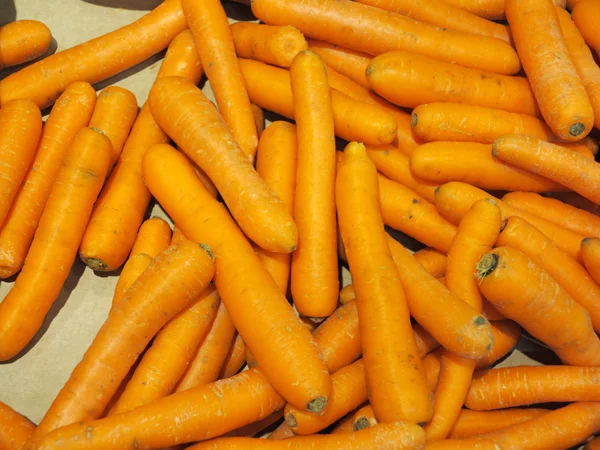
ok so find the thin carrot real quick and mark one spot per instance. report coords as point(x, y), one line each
point(54, 247)
point(590, 254)
point(177, 235)
point(488, 9)
point(348, 62)
point(432, 260)
point(524, 292)
point(120, 210)
point(506, 336)
point(431, 364)
point(472, 423)
point(266, 43)
point(583, 15)
point(71, 112)
point(14, 428)
point(409, 79)
point(375, 31)
point(23, 41)
point(259, 118)
point(364, 418)
point(97, 59)
point(235, 358)
point(131, 271)
point(292, 362)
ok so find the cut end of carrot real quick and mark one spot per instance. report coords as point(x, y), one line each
point(577, 129)
point(291, 420)
point(97, 265)
point(361, 423)
point(486, 265)
point(317, 405)
point(414, 120)
point(206, 248)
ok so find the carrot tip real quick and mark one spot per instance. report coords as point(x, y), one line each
point(207, 249)
point(414, 120)
point(361, 423)
point(486, 265)
point(290, 419)
point(98, 130)
point(576, 129)
point(317, 405)
point(97, 265)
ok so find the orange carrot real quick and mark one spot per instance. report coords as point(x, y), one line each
point(506, 336)
point(271, 45)
point(348, 62)
point(431, 364)
point(344, 425)
point(409, 79)
point(97, 59)
point(580, 148)
point(375, 31)
point(472, 423)
point(177, 235)
point(560, 94)
point(490, 313)
point(71, 112)
point(23, 41)
point(395, 378)
point(488, 9)
point(524, 292)
point(576, 200)
point(14, 428)
point(54, 247)
point(425, 341)
point(364, 418)
point(583, 15)
point(257, 427)
point(120, 210)
point(259, 118)
point(590, 254)
point(131, 271)
point(235, 358)
point(592, 445)
point(347, 294)
point(432, 260)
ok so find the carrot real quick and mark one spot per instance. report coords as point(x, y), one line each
point(182, 111)
point(235, 359)
point(71, 112)
point(347, 294)
point(432, 260)
point(177, 235)
point(348, 62)
point(432, 363)
point(576, 200)
point(444, 15)
point(524, 292)
point(472, 423)
point(97, 59)
point(560, 94)
point(259, 118)
point(568, 168)
point(469, 123)
point(214, 40)
point(404, 210)
point(171, 351)
point(14, 428)
point(425, 341)
point(506, 336)
point(583, 14)
point(590, 254)
point(344, 425)
point(577, 147)
point(23, 41)
point(491, 313)
point(114, 115)
point(134, 266)
point(257, 427)
point(364, 418)
point(292, 362)
point(120, 210)
point(271, 45)
point(54, 247)
point(473, 163)
point(409, 79)
point(395, 378)
point(488, 9)
point(454, 199)
point(375, 31)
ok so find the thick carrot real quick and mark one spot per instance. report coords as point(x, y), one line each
point(23, 41)
point(488, 9)
point(97, 59)
point(472, 423)
point(506, 336)
point(266, 43)
point(292, 362)
point(14, 428)
point(409, 79)
point(454, 199)
point(432, 260)
point(590, 254)
point(583, 14)
point(71, 112)
point(375, 31)
point(469, 123)
point(524, 292)
point(364, 418)
point(269, 87)
point(573, 170)
point(208, 22)
point(348, 62)
point(235, 358)
point(560, 94)
point(54, 247)
point(473, 163)
point(120, 209)
point(114, 115)
point(395, 378)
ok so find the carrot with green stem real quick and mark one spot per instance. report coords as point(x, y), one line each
point(590, 254)
point(235, 358)
point(473, 423)
point(583, 15)
point(506, 336)
point(14, 428)
point(348, 62)
point(22, 41)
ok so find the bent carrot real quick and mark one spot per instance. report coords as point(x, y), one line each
point(71, 112)
point(395, 378)
point(583, 15)
point(97, 59)
point(235, 358)
point(560, 94)
point(506, 336)
point(590, 254)
point(409, 79)
point(472, 423)
point(375, 31)
point(14, 428)
point(348, 62)
point(54, 247)
point(23, 41)
point(488, 9)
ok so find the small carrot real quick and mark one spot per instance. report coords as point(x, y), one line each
point(409, 79)
point(506, 336)
point(590, 254)
point(23, 41)
point(131, 271)
point(524, 292)
point(347, 294)
point(348, 62)
point(71, 112)
point(266, 43)
point(344, 425)
point(472, 423)
point(488, 9)
point(259, 118)
point(432, 260)
point(177, 235)
point(14, 428)
point(432, 365)
point(583, 15)
point(364, 418)
point(54, 247)
point(235, 358)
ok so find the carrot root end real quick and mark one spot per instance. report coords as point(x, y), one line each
point(97, 265)
point(414, 120)
point(576, 129)
point(316, 405)
point(361, 423)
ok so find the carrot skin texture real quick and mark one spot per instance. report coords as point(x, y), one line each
point(22, 41)
point(348, 62)
point(14, 428)
point(488, 9)
point(590, 254)
point(583, 15)
point(472, 423)
point(131, 271)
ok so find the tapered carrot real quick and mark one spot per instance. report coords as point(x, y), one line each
point(177, 235)
point(276, 164)
point(432, 260)
point(14, 428)
point(56, 240)
point(506, 336)
point(473, 163)
point(590, 254)
point(71, 112)
point(259, 118)
point(583, 14)
point(488, 9)
point(432, 365)
point(472, 423)
point(23, 41)
point(364, 418)
point(97, 59)
point(395, 378)
point(469, 123)
point(348, 62)
point(375, 31)
point(524, 292)
point(114, 115)
point(266, 43)
point(131, 271)
point(292, 362)
point(409, 79)
point(235, 358)
point(560, 94)
point(120, 209)
point(347, 294)
point(454, 199)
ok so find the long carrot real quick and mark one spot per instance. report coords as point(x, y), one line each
point(488, 9)
point(71, 112)
point(14, 428)
point(292, 362)
point(375, 31)
point(590, 254)
point(54, 247)
point(348, 62)
point(97, 59)
point(120, 209)
point(235, 358)
point(395, 378)
point(560, 94)
point(472, 423)
point(409, 79)
point(524, 292)
point(583, 15)
point(22, 41)
point(506, 336)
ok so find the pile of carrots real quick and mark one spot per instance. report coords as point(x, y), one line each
point(470, 126)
